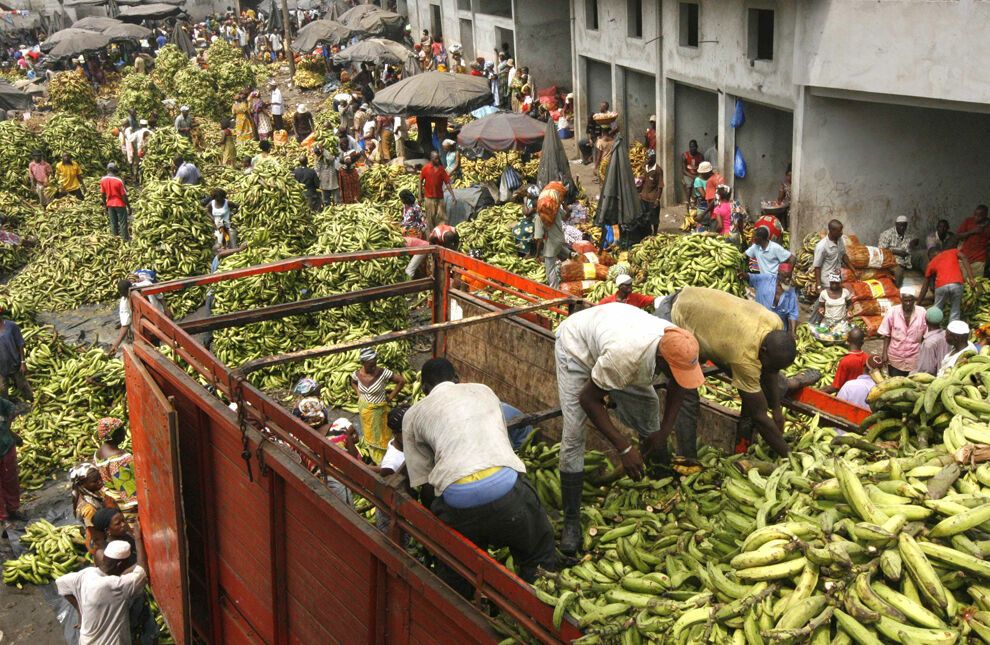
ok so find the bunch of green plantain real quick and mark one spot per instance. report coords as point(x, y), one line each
point(668, 262)
point(160, 151)
point(489, 170)
point(491, 230)
point(272, 208)
point(16, 145)
point(976, 302)
point(813, 354)
point(78, 136)
point(72, 93)
point(382, 183)
point(54, 551)
point(140, 93)
point(311, 72)
point(168, 61)
point(229, 70)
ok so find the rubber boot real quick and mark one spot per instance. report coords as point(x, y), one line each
point(571, 486)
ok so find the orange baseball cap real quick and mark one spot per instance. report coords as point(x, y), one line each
point(680, 349)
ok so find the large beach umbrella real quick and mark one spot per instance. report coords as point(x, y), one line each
point(501, 131)
point(125, 31)
point(379, 51)
point(374, 21)
point(95, 23)
point(181, 39)
point(321, 32)
point(553, 159)
point(433, 94)
point(12, 98)
point(618, 202)
point(153, 11)
point(73, 42)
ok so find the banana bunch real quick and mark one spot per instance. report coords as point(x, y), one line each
point(382, 183)
point(54, 551)
point(160, 151)
point(811, 353)
point(669, 262)
point(976, 303)
point(926, 407)
point(80, 137)
point(272, 209)
point(804, 273)
point(140, 93)
point(637, 158)
point(168, 61)
point(229, 70)
point(491, 230)
point(196, 88)
point(489, 170)
point(16, 145)
point(72, 93)
point(527, 267)
point(311, 73)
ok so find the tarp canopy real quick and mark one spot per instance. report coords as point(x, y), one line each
point(124, 31)
point(12, 98)
point(553, 159)
point(335, 9)
point(468, 202)
point(374, 21)
point(81, 3)
point(501, 131)
point(58, 21)
point(322, 32)
point(138, 2)
point(433, 94)
point(153, 11)
point(618, 202)
point(181, 39)
point(379, 51)
point(73, 42)
point(95, 23)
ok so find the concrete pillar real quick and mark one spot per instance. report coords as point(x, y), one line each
point(796, 215)
point(667, 154)
point(726, 136)
point(619, 100)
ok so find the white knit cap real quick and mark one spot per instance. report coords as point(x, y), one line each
point(117, 550)
point(958, 327)
point(909, 291)
point(623, 279)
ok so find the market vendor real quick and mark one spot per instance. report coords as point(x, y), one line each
point(904, 247)
point(777, 294)
point(957, 336)
point(750, 343)
point(903, 328)
point(618, 351)
point(455, 441)
point(624, 293)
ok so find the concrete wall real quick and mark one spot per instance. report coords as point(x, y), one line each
point(866, 163)
point(696, 117)
point(543, 41)
point(611, 42)
point(922, 48)
point(597, 85)
point(721, 59)
point(765, 142)
point(640, 101)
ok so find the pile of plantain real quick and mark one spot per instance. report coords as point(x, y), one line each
point(813, 354)
point(311, 72)
point(160, 152)
point(53, 552)
point(140, 93)
point(668, 262)
point(72, 93)
point(78, 136)
point(491, 230)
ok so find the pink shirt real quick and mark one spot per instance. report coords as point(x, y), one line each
point(905, 338)
point(723, 213)
point(40, 171)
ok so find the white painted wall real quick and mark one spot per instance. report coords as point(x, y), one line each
point(866, 163)
point(610, 42)
point(696, 118)
point(765, 141)
point(924, 48)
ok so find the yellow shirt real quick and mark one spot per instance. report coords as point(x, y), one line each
point(69, 175)
point(729, 330)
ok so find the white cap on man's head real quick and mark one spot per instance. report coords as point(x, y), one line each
point(909, 292)
point(117, 550)
point(958, 327)
point(704, 167)
point(901, 219)
point(623, 279)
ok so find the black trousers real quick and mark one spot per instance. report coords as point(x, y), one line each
point(516, 520)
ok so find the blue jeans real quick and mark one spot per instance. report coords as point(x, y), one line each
point(953, 293)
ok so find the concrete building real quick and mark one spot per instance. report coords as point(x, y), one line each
point(882, 107)
point(537, 32)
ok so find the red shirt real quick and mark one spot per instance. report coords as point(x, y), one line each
point(974, 247)
point(637, 300)
point(691, 162)
point(651, 139)
point(113, 191)
point(850, 367)
point(433, 178)
point(712, 185)
point(945, 267)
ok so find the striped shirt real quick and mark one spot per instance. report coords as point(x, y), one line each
point(376, 392)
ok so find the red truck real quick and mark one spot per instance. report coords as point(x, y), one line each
point(247, 545)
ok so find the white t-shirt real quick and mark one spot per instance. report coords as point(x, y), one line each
point(124, 309)
point(276, 41)
point(616, 343)
point(104, 603)
point(277, 106)
point(393, 459)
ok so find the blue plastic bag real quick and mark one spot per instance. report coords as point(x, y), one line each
point(738, 116)
point(739, 166)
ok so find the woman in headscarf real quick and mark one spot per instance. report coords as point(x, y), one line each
point(374, 399)
point(259, 115)
point(451, 158)
point(243, 128)
point(347, 174)
point(228, 144)
point(116, 466)
point(87, 497)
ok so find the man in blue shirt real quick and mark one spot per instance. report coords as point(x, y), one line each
point(776, 293)
point(768, 254)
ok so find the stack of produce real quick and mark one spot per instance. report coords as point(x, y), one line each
point(489, 170)
point(168, 61)
point(160, 151)
point(491, 231)
point(54, 551)
point(381, 184)
point(976, 304)
point(804, 272)
point(72, 93)
point(173, 235)
point(871, 299)
point(195, 87)
point(587, 272)
point(637, 158)
point(845, 540)
point(311, 72)
point(272, 209)
point(812, 354)
point(68, 133)
point(230, 71)
point(669, 262)
point(140, 93)
point(16, 145)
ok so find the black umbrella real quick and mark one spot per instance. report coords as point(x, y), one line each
point(501, 131)
point(59, 21)
point(434, 94)
point(73, 42)
point(379, 51)
point(124, 31)
point(153, 11)
point(618, 202)
point(553, 159)
point(374, 21)
point(321, 32)
point(95, 23)
point(181, 39)
point(12, 98)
